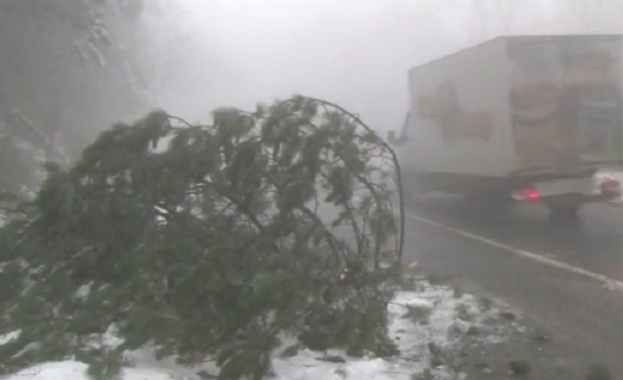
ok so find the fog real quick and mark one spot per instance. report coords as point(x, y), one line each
point(353, 52)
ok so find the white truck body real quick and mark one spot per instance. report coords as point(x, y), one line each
point(479, 90)
point(519, 118)
point(515, 104)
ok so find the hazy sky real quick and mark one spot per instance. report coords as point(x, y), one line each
point(354, 52)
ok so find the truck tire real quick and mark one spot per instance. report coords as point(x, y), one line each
point(564, 213)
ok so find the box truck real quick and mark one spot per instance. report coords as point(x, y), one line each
point(517, 119)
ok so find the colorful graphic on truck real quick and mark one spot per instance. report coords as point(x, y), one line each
point(454, 121)
point(565, 100)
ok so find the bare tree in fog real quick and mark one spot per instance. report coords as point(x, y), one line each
point(61, 70)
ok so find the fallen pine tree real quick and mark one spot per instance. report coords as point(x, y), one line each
point(206, 241)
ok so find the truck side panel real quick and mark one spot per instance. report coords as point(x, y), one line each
point(565, 100)
point(459, 111)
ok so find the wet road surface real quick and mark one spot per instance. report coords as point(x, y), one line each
point(584, 313)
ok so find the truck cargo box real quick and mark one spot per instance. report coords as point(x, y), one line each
point(516, 104)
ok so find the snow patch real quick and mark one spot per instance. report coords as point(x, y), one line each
point(109, 339)
point(8, 338)
point(412, 338)
point(54, 371)
point(84, 291)
point(305, 366)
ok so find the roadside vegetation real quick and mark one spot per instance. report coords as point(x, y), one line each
point(207, 240)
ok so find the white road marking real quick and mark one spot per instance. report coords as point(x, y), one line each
point(606, 281)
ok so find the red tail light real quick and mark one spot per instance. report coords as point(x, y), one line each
point(610, 186)
point(527, 194)
point(532, 194)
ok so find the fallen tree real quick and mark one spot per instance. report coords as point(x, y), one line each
point(207, 242)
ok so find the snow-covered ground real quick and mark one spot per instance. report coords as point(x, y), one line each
point(429, 314)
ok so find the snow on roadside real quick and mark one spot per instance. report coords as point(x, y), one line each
point(72, 370)
point(412, 341)
point(417, 319)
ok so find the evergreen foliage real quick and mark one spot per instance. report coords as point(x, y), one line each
point(207, 242)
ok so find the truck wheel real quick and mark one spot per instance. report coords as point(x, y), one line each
point(564, 213)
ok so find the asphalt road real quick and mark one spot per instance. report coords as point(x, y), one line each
point(567, 292)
